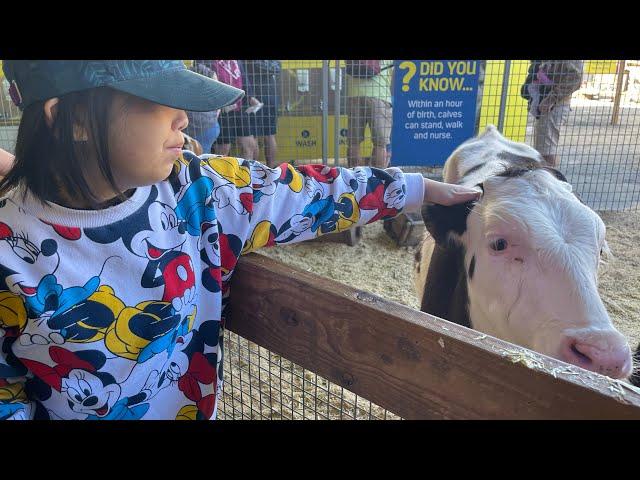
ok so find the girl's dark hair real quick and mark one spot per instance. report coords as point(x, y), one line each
point(48, 159)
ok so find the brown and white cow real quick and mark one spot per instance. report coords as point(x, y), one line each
point(521, 263)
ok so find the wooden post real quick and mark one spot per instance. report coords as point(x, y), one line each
point(616, 101)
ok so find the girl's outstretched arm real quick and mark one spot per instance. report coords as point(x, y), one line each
point(263, 206)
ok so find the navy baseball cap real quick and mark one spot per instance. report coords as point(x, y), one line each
point(167, 82)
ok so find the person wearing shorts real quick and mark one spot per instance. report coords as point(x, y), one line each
point(235, 123)
point(548, 89)
point(547, 130)
point(369, 103)
point(263, 75)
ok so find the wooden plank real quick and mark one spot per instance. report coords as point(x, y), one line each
point(413, 364)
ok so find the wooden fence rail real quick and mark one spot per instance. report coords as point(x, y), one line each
point(411, 363)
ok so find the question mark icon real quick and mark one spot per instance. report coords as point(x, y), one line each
point(409, 75)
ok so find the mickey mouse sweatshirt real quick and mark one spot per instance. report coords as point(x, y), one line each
point(119, 313)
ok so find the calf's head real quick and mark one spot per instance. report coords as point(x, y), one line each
point(531, 256)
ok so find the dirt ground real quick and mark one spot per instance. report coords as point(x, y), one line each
point(378, 266)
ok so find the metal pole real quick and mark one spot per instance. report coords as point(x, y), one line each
point(325, 110)
point(336, 114)
point(616, 100)
point(503, 97)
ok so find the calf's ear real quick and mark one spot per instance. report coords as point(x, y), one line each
point(441, 221)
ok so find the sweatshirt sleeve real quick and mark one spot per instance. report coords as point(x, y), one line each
point(265, 206)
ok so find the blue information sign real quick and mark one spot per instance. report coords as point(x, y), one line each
point(434, 109)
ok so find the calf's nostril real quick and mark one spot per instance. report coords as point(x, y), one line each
point(581, 356)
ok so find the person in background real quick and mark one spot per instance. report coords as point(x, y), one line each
point(204, 126)
point(264, 77)
point(235, 123)
point(369, 84)
point(548, 88)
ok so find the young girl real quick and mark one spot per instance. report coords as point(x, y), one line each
point(117, 247)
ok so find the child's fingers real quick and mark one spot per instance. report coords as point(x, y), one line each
point(473, 192)
point(449, 194)
point(464, 194)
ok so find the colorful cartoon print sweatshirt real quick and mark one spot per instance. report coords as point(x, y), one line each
point(119, 313)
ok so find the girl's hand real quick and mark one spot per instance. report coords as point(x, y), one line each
point(448, 193)
point(6, 162)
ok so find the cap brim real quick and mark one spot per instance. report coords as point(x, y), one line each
point(182, 89)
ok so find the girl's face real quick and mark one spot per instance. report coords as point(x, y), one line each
point(145, 138)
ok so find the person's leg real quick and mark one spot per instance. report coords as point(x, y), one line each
point(256, 148)
point(267, 129)
point(379, 156)
point(222, 145)
point(222, 149)
point(355, 130)
point(245, 128)
point(547, 132)
point(248, 147)
point(353, 155)
point(542, 141)
point(551, 160)
point(270, 149)
point(380, 118)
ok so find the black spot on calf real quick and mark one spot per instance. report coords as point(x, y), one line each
point(635, 377)
point(441, 220)
point(519, 161)
point(556, 173)
point(472, 267)
point(445, 292)
point(474, 169)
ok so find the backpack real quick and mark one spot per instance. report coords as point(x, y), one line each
point(363, 68)
point(531, 76)
point(229, 72)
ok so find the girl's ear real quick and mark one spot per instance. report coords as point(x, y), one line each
point(50, 110)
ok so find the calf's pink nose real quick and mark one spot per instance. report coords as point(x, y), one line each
point(614, 360)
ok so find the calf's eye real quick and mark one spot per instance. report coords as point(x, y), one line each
point(498, 245)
